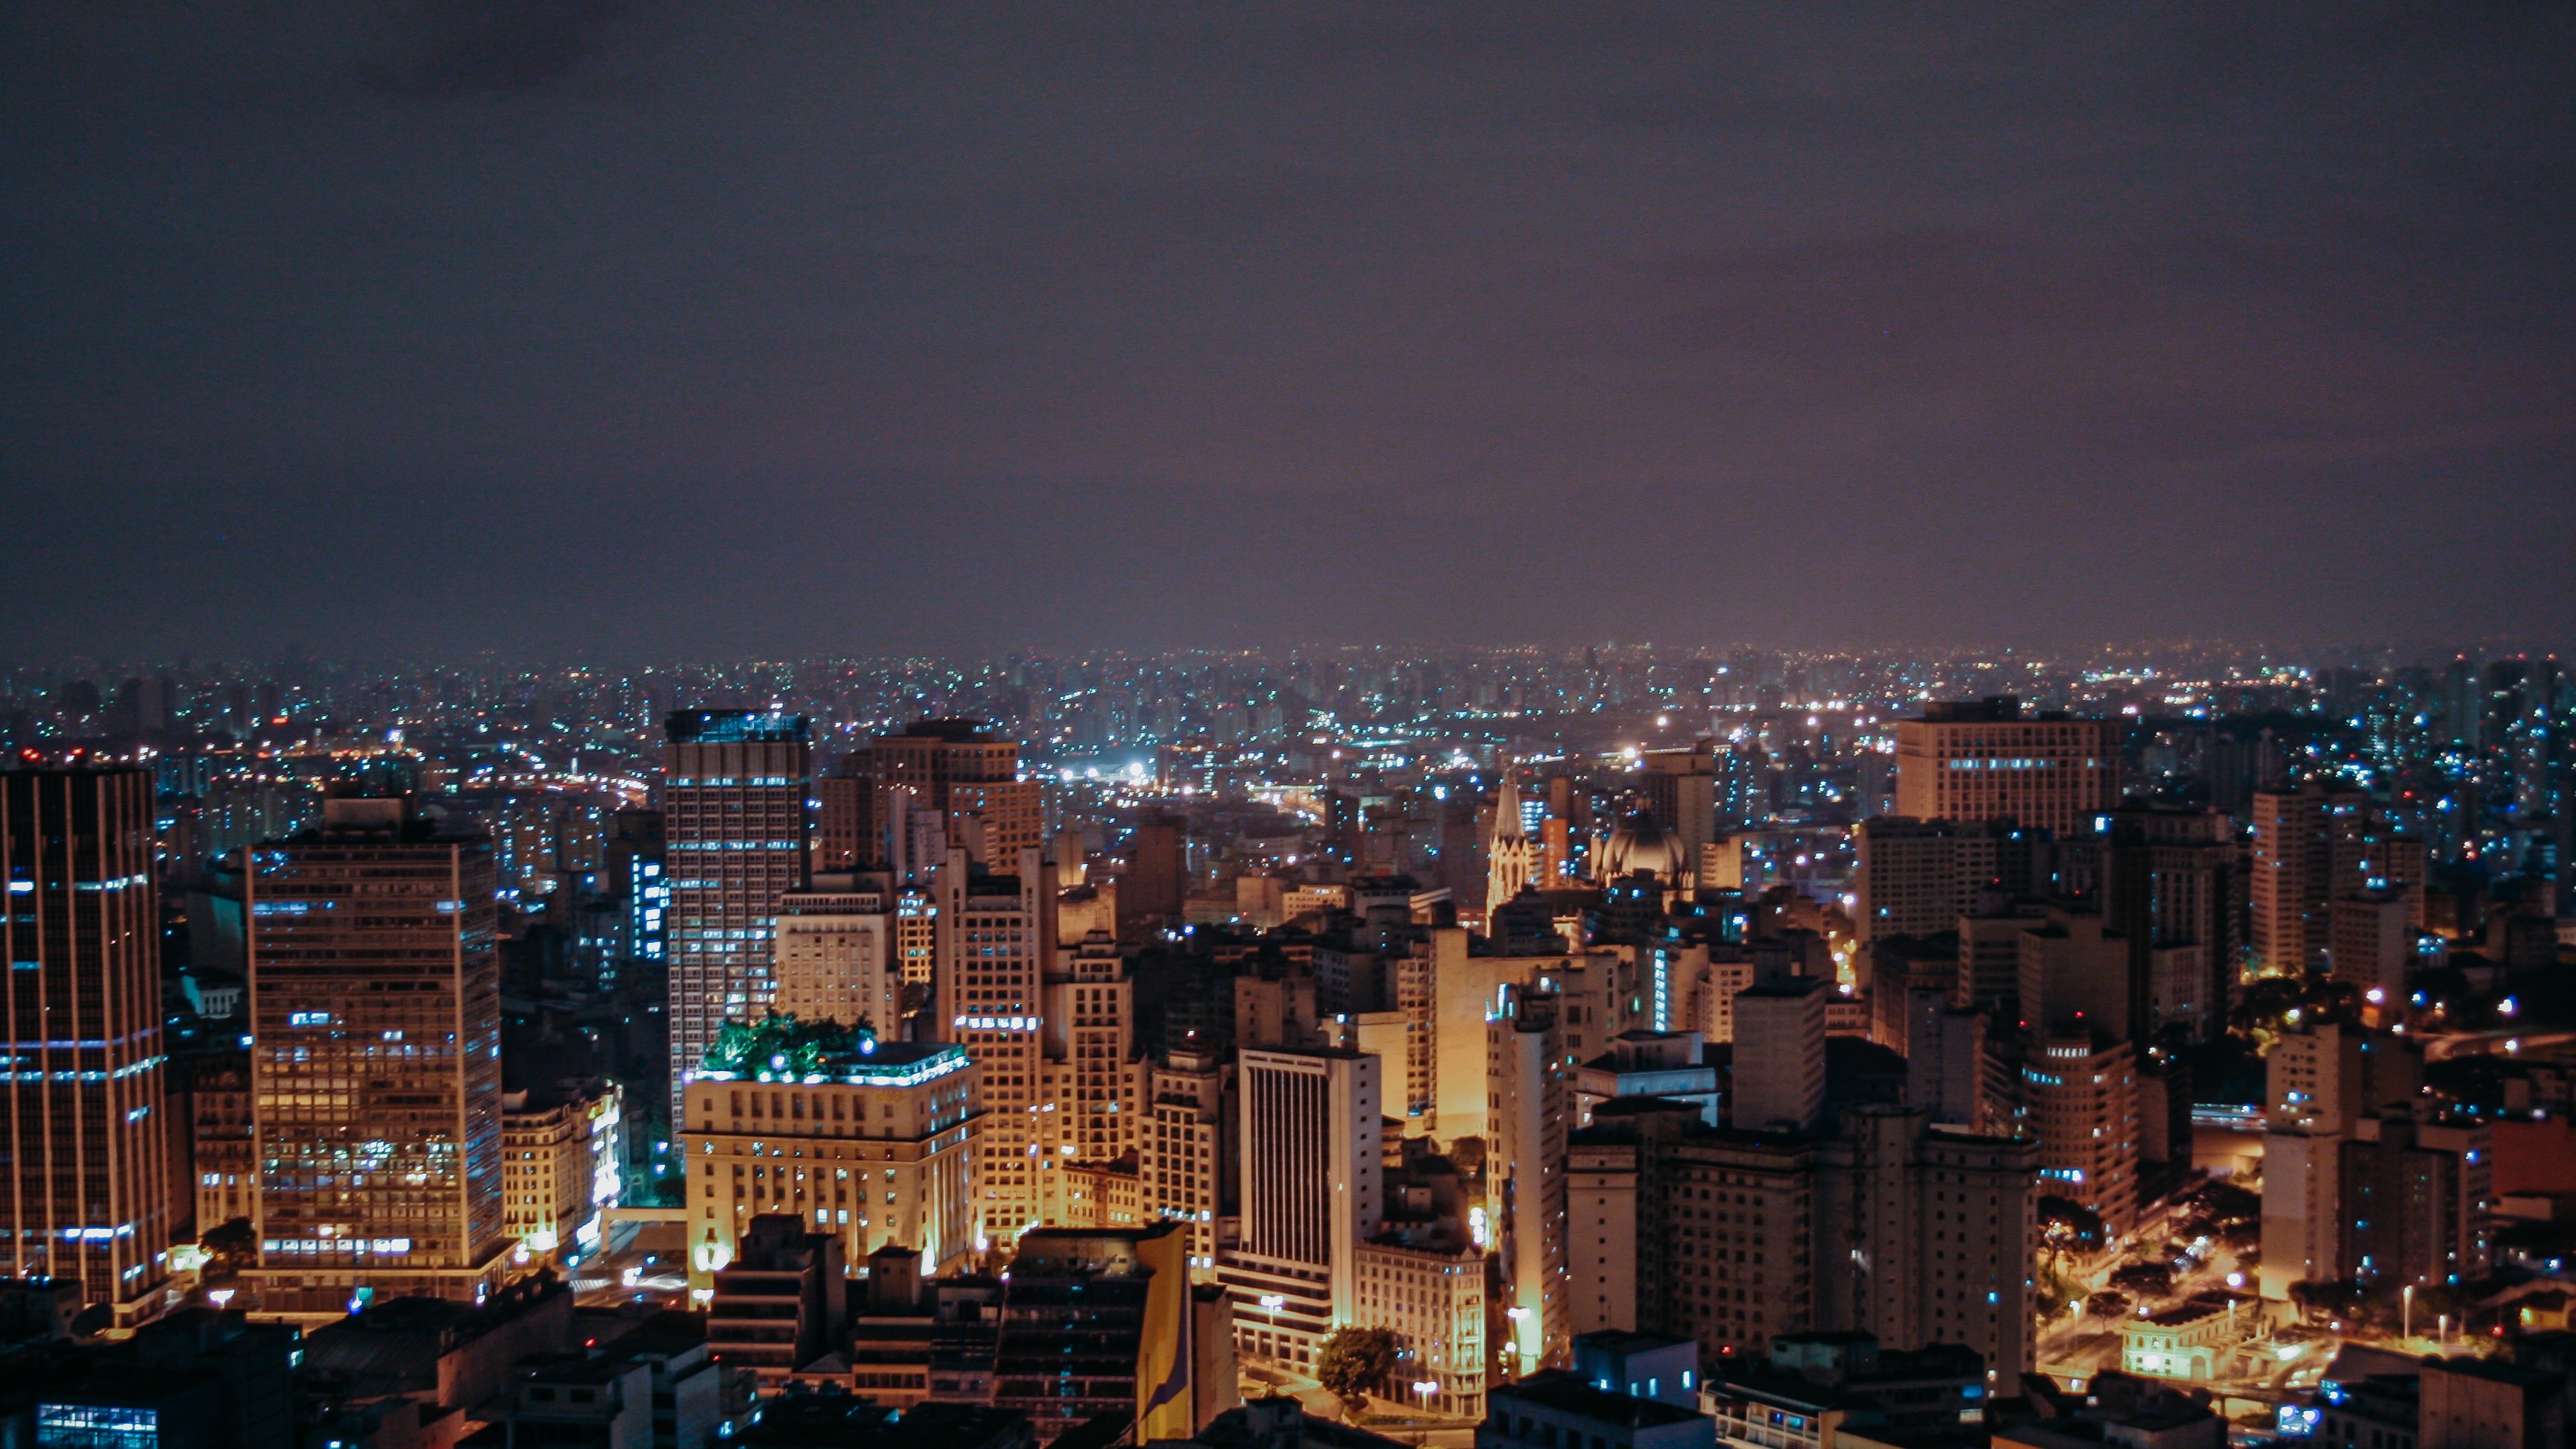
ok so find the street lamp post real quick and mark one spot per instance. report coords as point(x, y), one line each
point(1426, 1388)
point(2406, 1315)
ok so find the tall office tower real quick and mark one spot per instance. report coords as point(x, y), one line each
point(871, 1141)
point(967, 779)
point(375, 1007)
point(88, 1144)
point(1525, 1182)
point(1696, 1234)
point(2322, 1084)
point(2080, 1097)
point(916, 934)
point(1312, 1176)
point(2168, 885)
point(2309, 845)
point(1780, 1054)
point(1917, 877)
point(846, 836)
point(835, 959)
point(223, 1153)
point(1926, 1237)
point(2418, 1201)
point(2370, 945)
point(1990, 961)
point(1680, 789)
point(1986, 760)
point(1743, 789)
point(638, 867)
point(733, 799)
point(1913, 999)
point(1185, 1148)
point(996, 942)
point(1511, 862)
point(1091, 1083)
point(2074, 974)
point(1156, 884)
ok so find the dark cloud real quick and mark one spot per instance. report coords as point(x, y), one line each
point(832, 326)
point(438, 48)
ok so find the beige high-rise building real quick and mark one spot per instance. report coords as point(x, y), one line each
point(952, 767)
point(562, 1161)
point(1779, 1075)
point(996, 944)
point(1926, 1236)
point(1182, 1160)
point(1917, 877)
point(836, 954)
point(733, 797)
point(1988, 760)
point(2370, 944)
point(1525, 1181)
point(2080, 1099)
point(1312, 1175)
point(1094, 1086)
point(375, 1007)
point(871, 1142)
point(87, 1135)
point(2308, 848)
point(1914, 1233)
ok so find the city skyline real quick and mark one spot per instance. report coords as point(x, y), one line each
point(1446, 726)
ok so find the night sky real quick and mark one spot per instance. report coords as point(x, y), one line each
point(644, 330)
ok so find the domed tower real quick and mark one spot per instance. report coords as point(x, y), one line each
point(1640, 843)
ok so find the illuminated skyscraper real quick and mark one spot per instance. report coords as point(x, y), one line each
point(1987, 760)
point(1313, 1173)
point(950, 766)
point(2309, 848)
point(996, 944)
point(375, 1006)
point(733, 801)
point(87, 1143)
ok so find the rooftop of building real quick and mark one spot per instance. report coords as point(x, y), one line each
point(1280, 1421)
point(1568, 1393)
point(2493, 1370)
point(2198, 1308)
point(403, 1338)
point(953, 729)
point(1618, 1340)
point(785, 1049)
point(735, 726)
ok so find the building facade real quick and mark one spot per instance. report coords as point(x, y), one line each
point(1988, 760)
point(734, 784)
point(375, 1063)
point(88, 1144)
point(870, 1142)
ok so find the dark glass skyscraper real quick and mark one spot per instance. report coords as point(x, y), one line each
point(734, 785)
point(87, 1147)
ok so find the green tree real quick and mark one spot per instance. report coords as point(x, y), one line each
point(1353, 1362)
point(2068, 1226)
point(230, 1247)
